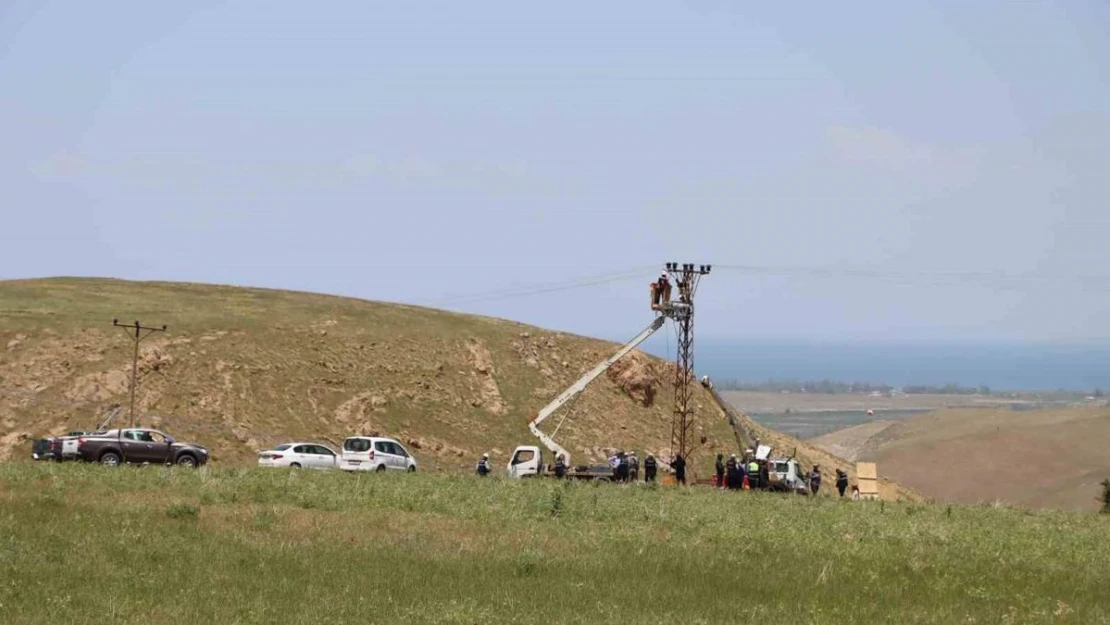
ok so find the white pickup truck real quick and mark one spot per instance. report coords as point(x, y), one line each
point(783, 474)
point(528, 459)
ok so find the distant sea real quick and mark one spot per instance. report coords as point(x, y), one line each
point(1001, 366)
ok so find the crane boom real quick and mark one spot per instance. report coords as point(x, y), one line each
point(580, 385)
point(116, 408)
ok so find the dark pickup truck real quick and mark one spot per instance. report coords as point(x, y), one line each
point(138, 446)
point(56, 447)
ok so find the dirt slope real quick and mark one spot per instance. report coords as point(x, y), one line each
point(1053, 458)
point(242, 369)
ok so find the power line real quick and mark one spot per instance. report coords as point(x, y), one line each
point(543, 288)
point(991, 279)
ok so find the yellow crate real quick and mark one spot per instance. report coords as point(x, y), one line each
point(867, 471)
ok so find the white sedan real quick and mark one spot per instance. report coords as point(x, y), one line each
point(299, 455)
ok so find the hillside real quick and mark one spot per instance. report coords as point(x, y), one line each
point(242, 369)
point(1042, 458)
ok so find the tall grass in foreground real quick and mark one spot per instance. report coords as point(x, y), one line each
point(83, 544)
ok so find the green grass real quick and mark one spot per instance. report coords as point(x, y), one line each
point(84, 544)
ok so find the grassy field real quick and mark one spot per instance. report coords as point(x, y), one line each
point(84, 544)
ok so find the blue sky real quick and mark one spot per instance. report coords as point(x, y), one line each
point(419, 151)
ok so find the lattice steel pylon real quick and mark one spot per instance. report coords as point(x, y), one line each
point(686, 278)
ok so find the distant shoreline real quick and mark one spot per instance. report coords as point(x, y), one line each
point(1002, 367)
point(809, 415)
point(766, 401)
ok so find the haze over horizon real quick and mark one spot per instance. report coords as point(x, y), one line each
point(903, 172)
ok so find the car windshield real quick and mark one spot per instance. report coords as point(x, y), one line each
point(282, 447)
point(356, 444)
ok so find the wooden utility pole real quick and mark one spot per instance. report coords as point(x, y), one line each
point(141, 332)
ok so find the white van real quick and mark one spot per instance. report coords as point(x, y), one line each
point(372, 453)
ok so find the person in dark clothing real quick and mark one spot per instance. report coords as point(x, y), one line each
point(663, 285)
point(483, 465)
point(679, 466)
point(622, 467)
point(841, 481)
point(764, 475)
point(663, 288)
point(741, 475)
point(815, 479)
point(720, 467)
point(732, 476)
point(560, 467)
point(649, 469)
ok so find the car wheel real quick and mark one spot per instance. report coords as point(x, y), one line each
point(295, 465)
point(109, 459)
point(187, 460)
point(381, 467)
point(412, 468)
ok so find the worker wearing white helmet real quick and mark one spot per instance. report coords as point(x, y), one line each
point(732, 472)
point(483, 466)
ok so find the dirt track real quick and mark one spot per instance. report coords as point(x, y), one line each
point(1054, 458)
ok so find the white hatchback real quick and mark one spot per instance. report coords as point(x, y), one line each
point(371, 453)
point(298, 455)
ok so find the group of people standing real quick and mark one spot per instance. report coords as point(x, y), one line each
point(841, 482)
point(626, 467)
point(750, 474)
point(737, 474)
point(733, 474)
